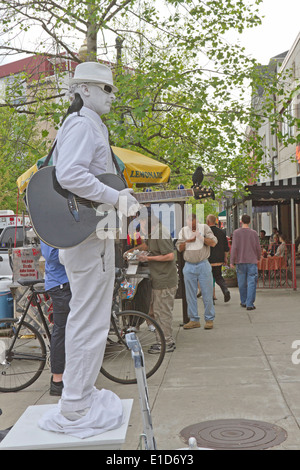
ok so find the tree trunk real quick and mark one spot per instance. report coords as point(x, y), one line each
point(91, 36)
point(91, 42)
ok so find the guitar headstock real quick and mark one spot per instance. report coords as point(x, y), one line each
point(201, 192)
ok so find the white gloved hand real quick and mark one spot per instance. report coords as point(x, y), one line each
point(127, 204)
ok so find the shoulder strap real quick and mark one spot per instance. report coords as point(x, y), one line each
point(46, 162)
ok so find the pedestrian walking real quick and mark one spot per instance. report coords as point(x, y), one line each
point(245, 253)
point(195, 240)
point(218, 255)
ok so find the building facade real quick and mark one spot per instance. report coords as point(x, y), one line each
point(274, 199)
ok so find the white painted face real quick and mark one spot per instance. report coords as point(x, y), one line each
point(96, 99)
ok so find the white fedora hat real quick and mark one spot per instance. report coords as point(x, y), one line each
point(93, 72)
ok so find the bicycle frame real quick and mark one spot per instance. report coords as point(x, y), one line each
point(115, 309)
point(33, 297)
point(29, 342)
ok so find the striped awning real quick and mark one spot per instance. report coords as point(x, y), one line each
point(275, 191)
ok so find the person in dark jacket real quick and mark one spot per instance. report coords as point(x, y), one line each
point(218, 255)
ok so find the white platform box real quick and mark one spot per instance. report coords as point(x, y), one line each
point(27, 435)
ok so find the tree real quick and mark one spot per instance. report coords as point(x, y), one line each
point(181, 82)
point(20, 148)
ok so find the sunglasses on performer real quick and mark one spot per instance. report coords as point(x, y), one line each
point(106, 88)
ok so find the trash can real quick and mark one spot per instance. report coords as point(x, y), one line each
point(6, 300)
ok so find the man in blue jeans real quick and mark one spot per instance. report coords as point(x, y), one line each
point(245, 253)
point(195, 240)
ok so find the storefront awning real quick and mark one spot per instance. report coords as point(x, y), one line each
point(137, 169)
point(275, 191)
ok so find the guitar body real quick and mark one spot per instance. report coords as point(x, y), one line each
point(60, 219)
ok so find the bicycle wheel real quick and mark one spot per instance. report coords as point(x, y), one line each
point(118, 364)
point(22, 355)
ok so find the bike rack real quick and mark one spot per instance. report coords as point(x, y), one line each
point(138, 358)
point(148, 435)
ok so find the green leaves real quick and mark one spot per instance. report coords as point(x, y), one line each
point(184, 89)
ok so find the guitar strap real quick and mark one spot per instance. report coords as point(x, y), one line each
point(46, 162)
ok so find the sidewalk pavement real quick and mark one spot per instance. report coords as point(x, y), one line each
point(242, 369)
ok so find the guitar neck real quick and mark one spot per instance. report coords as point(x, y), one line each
point(159, 196)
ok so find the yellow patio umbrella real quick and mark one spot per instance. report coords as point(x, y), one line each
point(140, 169)
point(137, 169)
point(23, 180)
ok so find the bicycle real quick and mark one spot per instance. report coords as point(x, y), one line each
point(117, 363)
point(24, 351)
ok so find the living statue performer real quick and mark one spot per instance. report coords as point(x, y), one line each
point(82, 152)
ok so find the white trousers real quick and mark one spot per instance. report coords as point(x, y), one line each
point(91, 271)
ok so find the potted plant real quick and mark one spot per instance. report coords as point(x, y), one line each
point(229, 274)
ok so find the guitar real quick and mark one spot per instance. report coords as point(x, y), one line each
point(62, 220)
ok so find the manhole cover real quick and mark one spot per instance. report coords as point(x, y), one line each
point(234, 434)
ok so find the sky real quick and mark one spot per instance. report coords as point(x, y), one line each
point(278, 31)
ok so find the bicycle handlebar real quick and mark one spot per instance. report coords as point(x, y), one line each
point(30, 282)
